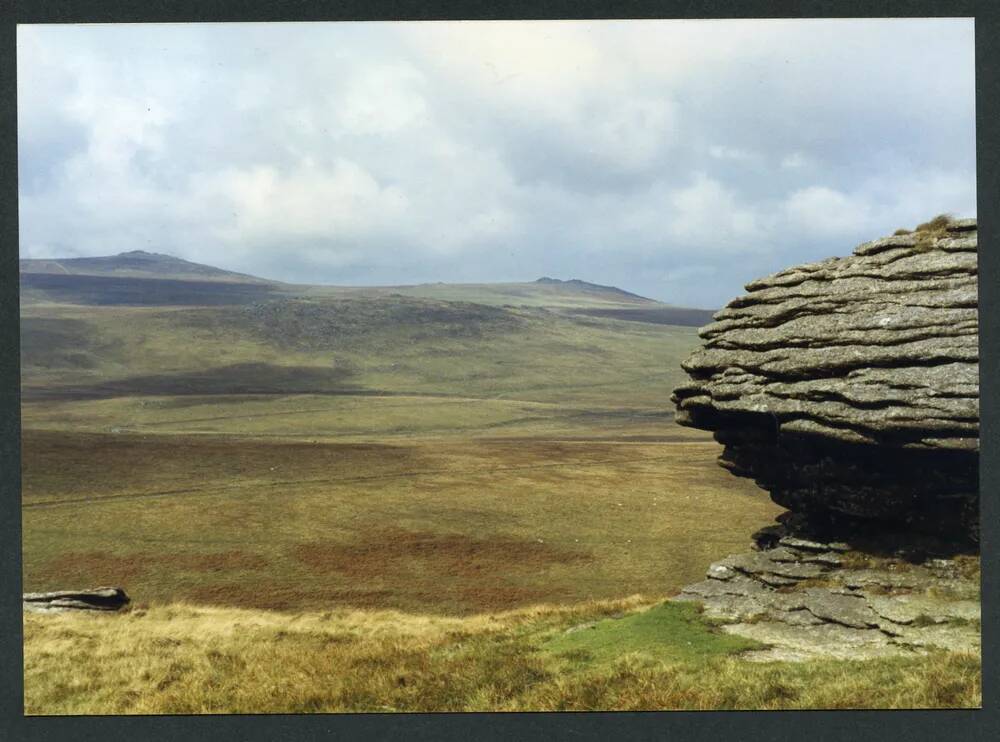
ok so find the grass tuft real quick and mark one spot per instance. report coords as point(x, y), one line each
point(937, 224)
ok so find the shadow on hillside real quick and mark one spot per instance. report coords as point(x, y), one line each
point(121, 291)
point(239, 378)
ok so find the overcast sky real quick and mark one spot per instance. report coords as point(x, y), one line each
point(676, 159)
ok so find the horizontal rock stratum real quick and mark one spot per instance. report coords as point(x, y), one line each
point(850, 387)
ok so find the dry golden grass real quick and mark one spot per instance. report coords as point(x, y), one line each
point(185, 659)
point(937, 224)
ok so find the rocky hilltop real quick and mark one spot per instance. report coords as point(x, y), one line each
point(849, 388)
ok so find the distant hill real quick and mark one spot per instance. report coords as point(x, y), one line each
point(141, 278)
point(575, 285)
point(136, 264)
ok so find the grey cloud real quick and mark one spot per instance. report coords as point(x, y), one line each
point(675, 160)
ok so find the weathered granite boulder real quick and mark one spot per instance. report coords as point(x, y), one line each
point(850, 387)
point(98, 599)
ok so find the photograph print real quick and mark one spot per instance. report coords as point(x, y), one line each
point(499, 366)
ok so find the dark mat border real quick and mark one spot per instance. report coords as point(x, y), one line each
point(817, 726)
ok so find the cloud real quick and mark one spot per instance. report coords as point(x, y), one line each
point(795, 160)
point(821, 210)
point(341, 202)
point(706, 208)
point(677, 159)
point(382, 100)
point(721, 152)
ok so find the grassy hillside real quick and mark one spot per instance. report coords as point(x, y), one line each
point(393, 345)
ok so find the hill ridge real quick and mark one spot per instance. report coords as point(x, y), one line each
point(164, 266)
point(136, 264)
point(588, 285)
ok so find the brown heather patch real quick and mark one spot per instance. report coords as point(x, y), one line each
point(391, 550)
point(448, 597)
point(218, 562)
point(67, 570)
point(58, 465)
point(493, 596)
point(104, 567)
point(448, 573)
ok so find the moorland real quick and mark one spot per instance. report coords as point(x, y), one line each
point(434, 497)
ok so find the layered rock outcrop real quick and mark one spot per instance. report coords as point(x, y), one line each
point(849, 388)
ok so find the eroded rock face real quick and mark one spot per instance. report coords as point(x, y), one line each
point(850, 387)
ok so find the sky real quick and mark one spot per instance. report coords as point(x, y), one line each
point(675, 159)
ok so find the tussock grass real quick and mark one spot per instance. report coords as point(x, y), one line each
point(937, 224)
point(939, 680)
point(932, 230)
point(184, 659)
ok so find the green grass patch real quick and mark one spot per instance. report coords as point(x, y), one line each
point(669, 631)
